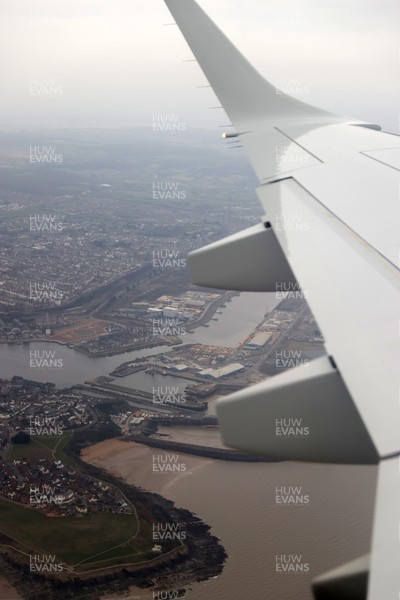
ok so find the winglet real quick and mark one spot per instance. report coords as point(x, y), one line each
point(245, 95)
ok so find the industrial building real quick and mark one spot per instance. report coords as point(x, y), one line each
point(231, 369)
point(180, 367)
point(258, 340)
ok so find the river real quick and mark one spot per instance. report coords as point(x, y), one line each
point(242, 314)
point(238, 500)
point(238, 319)
point(331, 525)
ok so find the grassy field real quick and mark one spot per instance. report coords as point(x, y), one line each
point(41, 446)
point(71, 539)
point(99, 537)
point(32, 451)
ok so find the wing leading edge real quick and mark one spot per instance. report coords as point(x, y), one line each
point(244, 93)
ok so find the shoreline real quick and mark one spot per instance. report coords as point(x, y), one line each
point(214, 453)
point(104, 454)
point(208, 315)
point(199, 557)
point(105, 354)
point(7, 590)
point(253, 487)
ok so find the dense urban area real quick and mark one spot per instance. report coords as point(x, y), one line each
point(94, 258)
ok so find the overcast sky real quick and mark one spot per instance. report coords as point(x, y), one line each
point(97, 63)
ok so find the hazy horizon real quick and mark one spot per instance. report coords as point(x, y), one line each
point(88, 64)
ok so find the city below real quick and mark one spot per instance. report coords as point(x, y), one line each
point(118, 286)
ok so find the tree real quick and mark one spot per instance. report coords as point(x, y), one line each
point(21, 438)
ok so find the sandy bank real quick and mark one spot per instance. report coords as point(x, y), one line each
point(139, 465)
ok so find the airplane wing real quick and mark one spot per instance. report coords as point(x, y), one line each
point(330, 189)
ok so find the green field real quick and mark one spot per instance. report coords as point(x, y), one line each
point(71, 539)
point(32, 451)
point(43, 447)
point(101, 538)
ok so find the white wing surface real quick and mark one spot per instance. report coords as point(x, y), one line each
point(330, 190)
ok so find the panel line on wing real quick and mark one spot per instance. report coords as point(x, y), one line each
point(381, 161)
point(346, 225)
point(345, 280)
point(294, 141)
